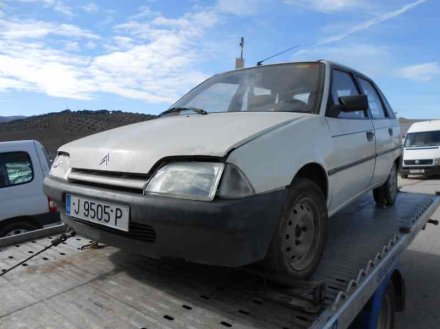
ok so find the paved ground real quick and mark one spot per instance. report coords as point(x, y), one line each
point(421, 268)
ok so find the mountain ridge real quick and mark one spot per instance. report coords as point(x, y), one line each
point(58, 128)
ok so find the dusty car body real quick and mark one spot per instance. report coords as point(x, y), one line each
point(247, 166)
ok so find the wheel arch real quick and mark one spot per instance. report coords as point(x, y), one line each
point(317, 174)
point(399, 162)
point(28, 219)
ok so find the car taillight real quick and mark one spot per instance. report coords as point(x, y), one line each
point(53, 207)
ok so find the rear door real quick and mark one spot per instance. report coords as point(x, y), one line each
point(386, 130)
point(351, 163)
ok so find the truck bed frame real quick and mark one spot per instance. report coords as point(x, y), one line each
point(66, 287)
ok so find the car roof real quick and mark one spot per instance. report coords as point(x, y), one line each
point(323, 61)
point(21, 143)
point(430, 125)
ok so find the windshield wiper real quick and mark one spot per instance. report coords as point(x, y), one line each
point(180, 109)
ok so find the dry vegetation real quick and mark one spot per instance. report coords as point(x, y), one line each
point(56, 129)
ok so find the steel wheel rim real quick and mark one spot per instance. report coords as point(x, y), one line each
point(17, 231)
point(301, 234)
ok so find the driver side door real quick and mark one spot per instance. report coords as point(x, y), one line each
point(352, 160)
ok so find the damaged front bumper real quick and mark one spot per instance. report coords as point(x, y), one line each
point(221, 232)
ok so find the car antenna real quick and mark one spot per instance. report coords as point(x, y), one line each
point(261, 62)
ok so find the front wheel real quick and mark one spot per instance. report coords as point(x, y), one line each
point(298, 241)
point(385, 195)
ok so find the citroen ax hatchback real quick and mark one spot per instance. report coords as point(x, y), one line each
point(247, 166)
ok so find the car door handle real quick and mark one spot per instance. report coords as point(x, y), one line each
point(370, 135)
point(390, 131)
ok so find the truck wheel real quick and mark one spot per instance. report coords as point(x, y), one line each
point(385, 195)
point(17, 227)
point(298, 241)
point(387, 311)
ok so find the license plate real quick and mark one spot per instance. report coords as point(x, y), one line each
point(417, 171)
point(99, 212)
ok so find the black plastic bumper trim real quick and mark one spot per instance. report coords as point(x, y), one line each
point(221, 232)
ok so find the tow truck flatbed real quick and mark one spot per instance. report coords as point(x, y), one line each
point(66, 287)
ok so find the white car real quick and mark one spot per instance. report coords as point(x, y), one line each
point(421, 153)
point(23, 205)
point(247, 166)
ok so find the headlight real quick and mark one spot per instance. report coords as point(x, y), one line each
point(187, 180)
point(60, 166)
point(437, 162)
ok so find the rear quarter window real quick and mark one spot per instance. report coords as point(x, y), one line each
point(15, 169)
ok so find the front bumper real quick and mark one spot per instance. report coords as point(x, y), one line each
point(427, 171)
point(221, 232)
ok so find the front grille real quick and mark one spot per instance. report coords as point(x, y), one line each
point(136, 231)
point(418, 162)
point(107, 179)
point(142, 232)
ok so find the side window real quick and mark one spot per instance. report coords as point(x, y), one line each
point(388, 107)
point(344, 85)
point(376, 108)
point(15, 169)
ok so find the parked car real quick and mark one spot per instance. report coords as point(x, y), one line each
point(247, 166)
point(421, 153)
point(23, 204)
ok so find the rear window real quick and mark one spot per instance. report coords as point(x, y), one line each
point(425, 138)
point(15, 169)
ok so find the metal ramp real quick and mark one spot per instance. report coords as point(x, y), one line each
point(107, 288)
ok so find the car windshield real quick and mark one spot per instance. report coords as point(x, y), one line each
point(426, 138)
point(292, 87)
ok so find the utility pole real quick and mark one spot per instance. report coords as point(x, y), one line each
point(239, 62)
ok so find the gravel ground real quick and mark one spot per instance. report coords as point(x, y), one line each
point(420, 265)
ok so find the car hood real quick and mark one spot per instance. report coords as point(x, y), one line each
point(136, 148)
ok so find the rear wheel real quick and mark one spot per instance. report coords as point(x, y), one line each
point(385, 195)
point(298, 241)
point(17, 227)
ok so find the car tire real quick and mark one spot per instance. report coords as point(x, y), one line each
point(17, 227)
point(387, 311)
point(298, 242)
point(403, 175)
point(385, 195)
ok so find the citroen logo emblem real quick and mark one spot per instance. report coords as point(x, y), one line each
point(417, 161)
point(105, 160)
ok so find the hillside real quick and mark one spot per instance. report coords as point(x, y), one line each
point(7, 119)
point(56, 129)
point(406, 123)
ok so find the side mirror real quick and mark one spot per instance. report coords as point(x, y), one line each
point(353, 103)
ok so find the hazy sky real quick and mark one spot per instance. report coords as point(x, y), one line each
point(141, 56)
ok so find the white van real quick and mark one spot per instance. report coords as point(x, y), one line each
point(421, 153)
point(23, 205)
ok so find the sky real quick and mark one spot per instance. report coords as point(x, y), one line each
point(141, 56)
